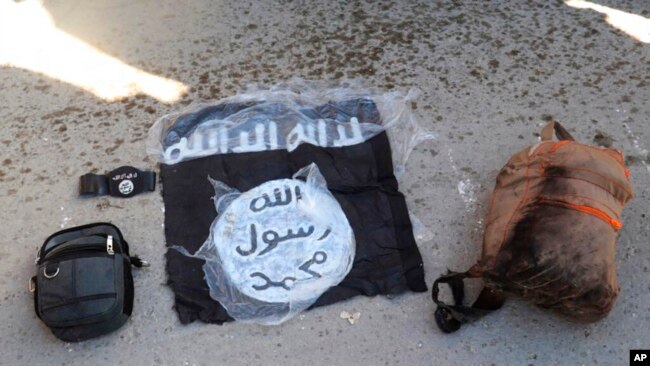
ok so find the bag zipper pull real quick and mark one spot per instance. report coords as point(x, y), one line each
point(109, 245)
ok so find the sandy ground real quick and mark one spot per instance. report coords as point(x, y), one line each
point(490, 73)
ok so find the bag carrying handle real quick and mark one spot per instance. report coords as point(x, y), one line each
point(450, 317)
point(560, 132)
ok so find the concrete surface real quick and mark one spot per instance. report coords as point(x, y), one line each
point(491, 73)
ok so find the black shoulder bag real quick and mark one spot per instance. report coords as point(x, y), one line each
point(84, 287)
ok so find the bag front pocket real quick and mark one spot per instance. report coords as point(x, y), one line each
point(78, 290)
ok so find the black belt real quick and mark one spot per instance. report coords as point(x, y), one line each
point(125, 182)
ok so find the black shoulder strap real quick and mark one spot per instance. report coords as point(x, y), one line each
point(450, 317)
point(125, 182)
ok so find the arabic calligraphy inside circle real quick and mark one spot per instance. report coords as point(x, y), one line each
point(125, 187)
point(278, 200)
point(268, 246)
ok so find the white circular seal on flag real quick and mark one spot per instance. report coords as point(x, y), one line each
point(272, 250)
point(125, 187)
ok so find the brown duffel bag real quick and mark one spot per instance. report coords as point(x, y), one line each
point(550, 234)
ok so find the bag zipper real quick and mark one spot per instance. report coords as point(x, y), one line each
point(108, 247)
point(616, 224)
point(77, 253)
